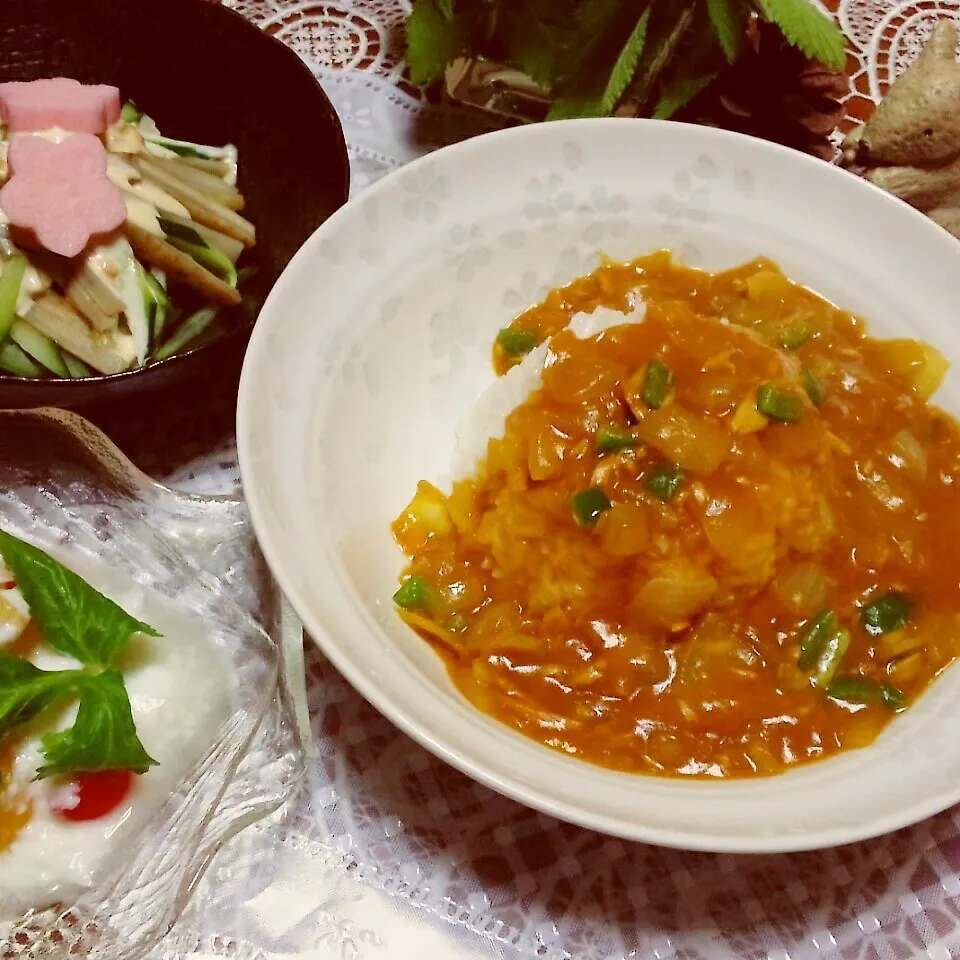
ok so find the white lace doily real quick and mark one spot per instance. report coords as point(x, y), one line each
point(391, 854)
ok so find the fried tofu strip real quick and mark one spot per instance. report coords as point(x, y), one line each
point(159, 253)
point(201, 207)
point(212, 186)
point(107, 352)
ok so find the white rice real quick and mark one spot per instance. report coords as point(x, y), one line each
point(488, 417)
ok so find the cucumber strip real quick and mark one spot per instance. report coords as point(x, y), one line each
point(175, 230)
point(190, 329)
point(39, 346)
point(149, 303)
point(77, 368)
point(156, 290)
point(190, 242)
point(150, 309)
point(246, 273)
point(157, 302)
point(162, 315)
point(15, 361)
point(230, 247)
point(211, 258)
point(10, 281)
point(184, 148)
point(129, 113)
point(157, 318)
point(158, 251)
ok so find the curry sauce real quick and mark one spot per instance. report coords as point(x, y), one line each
point(712, 543)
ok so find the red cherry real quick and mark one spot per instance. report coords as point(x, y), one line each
point(90, 796)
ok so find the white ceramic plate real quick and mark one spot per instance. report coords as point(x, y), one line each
point(376, 341)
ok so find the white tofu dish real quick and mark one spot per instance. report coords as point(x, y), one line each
point(108, 702)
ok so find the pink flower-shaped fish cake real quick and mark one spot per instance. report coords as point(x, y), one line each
point(58, 102)
point(59, 192)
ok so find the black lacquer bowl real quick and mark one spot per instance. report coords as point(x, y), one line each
point(206, 75)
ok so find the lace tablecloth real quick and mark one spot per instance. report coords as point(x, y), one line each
point(390, 853)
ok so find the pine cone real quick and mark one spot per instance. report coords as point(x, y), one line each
point(773, 91)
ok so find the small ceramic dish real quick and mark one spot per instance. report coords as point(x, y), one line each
point(204, 74)
point(376, 343)
point(66, 489)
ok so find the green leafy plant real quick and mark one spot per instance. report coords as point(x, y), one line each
point(77, 621)
point(591, 56)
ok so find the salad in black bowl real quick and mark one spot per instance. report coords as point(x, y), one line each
point(146, 210)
